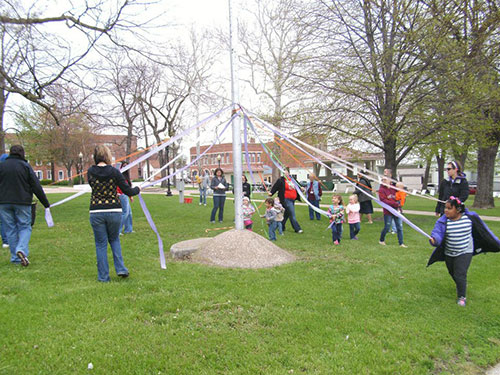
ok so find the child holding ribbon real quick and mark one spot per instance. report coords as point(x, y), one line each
point(458, 235)
point(336, 215)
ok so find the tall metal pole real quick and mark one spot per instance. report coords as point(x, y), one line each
point(237, 168)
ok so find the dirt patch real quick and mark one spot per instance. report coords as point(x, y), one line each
point(241, 249)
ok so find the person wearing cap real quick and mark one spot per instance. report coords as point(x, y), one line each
point(18, 183)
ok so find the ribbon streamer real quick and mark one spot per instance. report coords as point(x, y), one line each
point(384, 205)
point(163, 264)
point(48, 218)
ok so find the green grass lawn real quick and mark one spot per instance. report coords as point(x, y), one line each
point(357, 308)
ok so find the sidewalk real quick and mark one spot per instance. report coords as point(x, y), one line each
point(156, 190)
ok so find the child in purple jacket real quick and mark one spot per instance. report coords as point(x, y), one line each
point(458, 235)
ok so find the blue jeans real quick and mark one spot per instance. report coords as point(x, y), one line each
point(273, 225)
point(203, 195)
point(354, 229)
point(315, 203)
point(106, 227)
point(126, 223)
point(218, 205)
point(393, 225)
point(16, 218)
point(3, 233)
point(387, 227)
point(290, 213)
point(280, 227)
point(337, 232)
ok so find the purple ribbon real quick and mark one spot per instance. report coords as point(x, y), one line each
point(163, 264)
point(48, 218)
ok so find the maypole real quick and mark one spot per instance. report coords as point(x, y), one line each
point(237, 166)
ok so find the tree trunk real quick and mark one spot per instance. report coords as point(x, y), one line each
point(425, 181)
point(53, 170)
point(3, 100)
point(390, 156)
point(440, 164)
point(485, 175)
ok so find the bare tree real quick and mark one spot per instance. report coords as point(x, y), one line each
point(276, 43)
point(36, 53)
point(372, 74)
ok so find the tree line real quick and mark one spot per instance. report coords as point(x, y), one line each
point(411, 78)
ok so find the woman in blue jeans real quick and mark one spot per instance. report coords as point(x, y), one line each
point(219, 187)
point(106, 211)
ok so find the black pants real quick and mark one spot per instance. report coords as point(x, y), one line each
point(457, 267)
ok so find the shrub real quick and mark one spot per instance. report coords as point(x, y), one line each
point(46, 181)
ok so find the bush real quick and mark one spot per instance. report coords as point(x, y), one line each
point(138, 180)
point(46, 181)
point(62, 183)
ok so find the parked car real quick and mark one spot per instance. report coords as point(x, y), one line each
point(472, 187)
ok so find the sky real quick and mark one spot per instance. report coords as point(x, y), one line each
point(177, 16)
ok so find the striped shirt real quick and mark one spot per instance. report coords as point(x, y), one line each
point(458, 237)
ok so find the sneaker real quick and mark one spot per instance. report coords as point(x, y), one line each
point(382, 243)
point(355, 238)
point(393, 232)
point(24, 259)
point(213, 221)
point(336, 242)
point(199, 204)
point(123, 275)
point(5, 245)
point(204, 204)
point(300, 231)
point(461, 301)
point(403, 245)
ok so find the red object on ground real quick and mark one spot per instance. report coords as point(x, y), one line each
point(188, 200)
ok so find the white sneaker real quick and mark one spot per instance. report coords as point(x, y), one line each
point(5, 246)
point(199, 204)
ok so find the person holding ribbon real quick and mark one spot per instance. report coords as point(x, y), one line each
point(106, 211)
point(314, 194)
point(287, 195)
point(18, 183)
point(456, 185)
point(126, 224)
point(365, 200)
point(458, 235)
point(219, 186)
point(387, 194)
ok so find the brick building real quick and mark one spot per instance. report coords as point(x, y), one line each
point(115, 142)
point(300, 164)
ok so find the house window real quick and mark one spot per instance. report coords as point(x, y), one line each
point(39, 174)
point(60, 175)
point(49, 174)
point(258, 157)
point(38, 163)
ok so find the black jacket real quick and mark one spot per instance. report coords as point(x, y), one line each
point(458, 188)
point(363, 184)
point(104, 181)
point(279, 186)
point(18, 183)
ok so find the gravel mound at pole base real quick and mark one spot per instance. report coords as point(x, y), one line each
point(241, 249)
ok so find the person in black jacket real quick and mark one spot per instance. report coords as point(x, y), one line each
point(287, 195)
point(456, 185)
point(365, 201)
point(18, 183)
point(106, 211)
